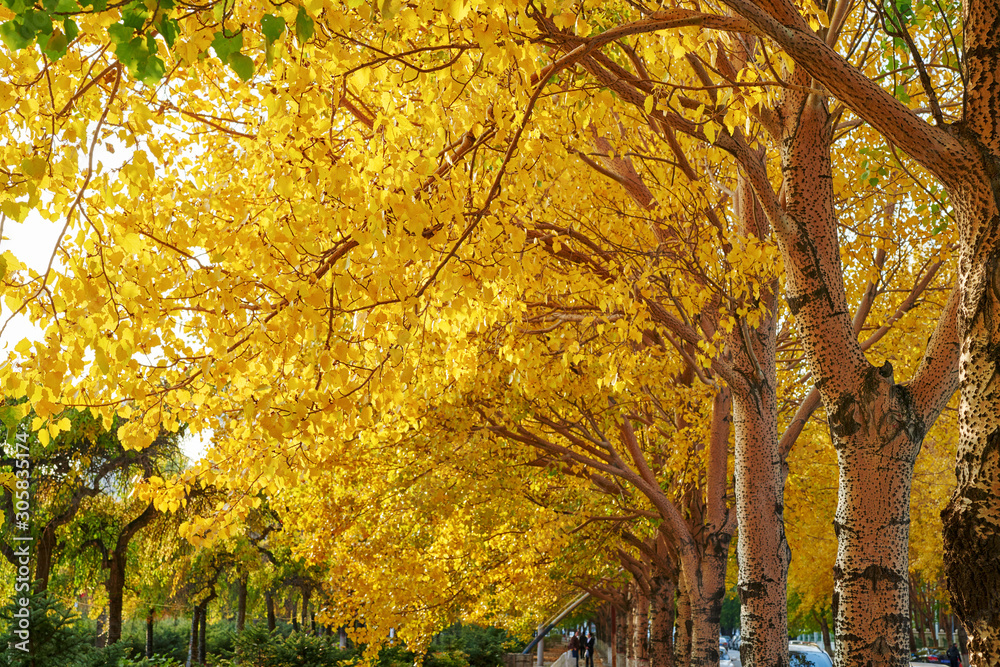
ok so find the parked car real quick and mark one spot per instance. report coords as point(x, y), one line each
point(932, 656)
point(807, 654)
point(724, 641)
point(724, 659)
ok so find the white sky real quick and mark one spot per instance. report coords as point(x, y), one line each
point(32, 242)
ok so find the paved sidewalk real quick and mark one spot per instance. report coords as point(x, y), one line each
point(553, 652)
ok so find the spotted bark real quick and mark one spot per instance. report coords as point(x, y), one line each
point(621, 635)
point(877, 425)
point(682, 647)
point(632, 649)
point(972, 517)
point(965, 157)
point(640, 628)
point(759, 485)
point(663, 586)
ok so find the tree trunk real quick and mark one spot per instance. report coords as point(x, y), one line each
point(682, 649)
point(202, 624)
point(269, 603)
point(193, 639)
point(306, 626)
point(640, 628)
point(342, 637)
point(241, 605)
point(631, 650)
point(706, 606)
point(825, 629)
point(117, 562)
point(621, 640)
point(115, 585)
point(972, 517)
point(762, 550)
point(663, 587)
point(43, 558)
point(877, 425)
point(149, 633)
point(102, 636)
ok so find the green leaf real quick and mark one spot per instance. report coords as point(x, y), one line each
point(169, 29)
point(134, 19)
point(71, 29)
point(273, 27)
point(151, 71)
point(226, 46)
point(303, 26)
point(242, 65)
point(40, 22)
point(55, 47)
point(16, 35)
point(8, 414)
point(120, 33)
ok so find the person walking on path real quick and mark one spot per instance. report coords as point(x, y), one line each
point(953, 657)
point(589, 643)
point(574, 647)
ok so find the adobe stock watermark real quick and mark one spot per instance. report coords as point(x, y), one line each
point(22, 540)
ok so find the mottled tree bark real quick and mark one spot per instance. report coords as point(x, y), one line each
point(965, 156)
point(682, 648)
point(640, 627)
point(877, 425)
point(632, 649)
point(762, 549)
point(622, 635)
point(662, 589)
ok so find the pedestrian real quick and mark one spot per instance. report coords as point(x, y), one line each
point(953, 656)
point(574, 648)
point(590, 648)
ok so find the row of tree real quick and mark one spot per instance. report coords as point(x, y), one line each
point(428, 247)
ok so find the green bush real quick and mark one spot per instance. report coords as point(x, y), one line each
point(256, 647)
point(170, 640)
point(155, 661)
point(454, 658)
point(482, 646)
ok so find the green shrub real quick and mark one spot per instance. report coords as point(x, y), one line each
point(482, 646)
point(155, 661)
point(256, 647)
point(455, 658)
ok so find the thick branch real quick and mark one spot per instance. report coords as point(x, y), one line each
point(932, 147)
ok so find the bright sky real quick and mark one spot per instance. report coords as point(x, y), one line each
point(32, 242)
